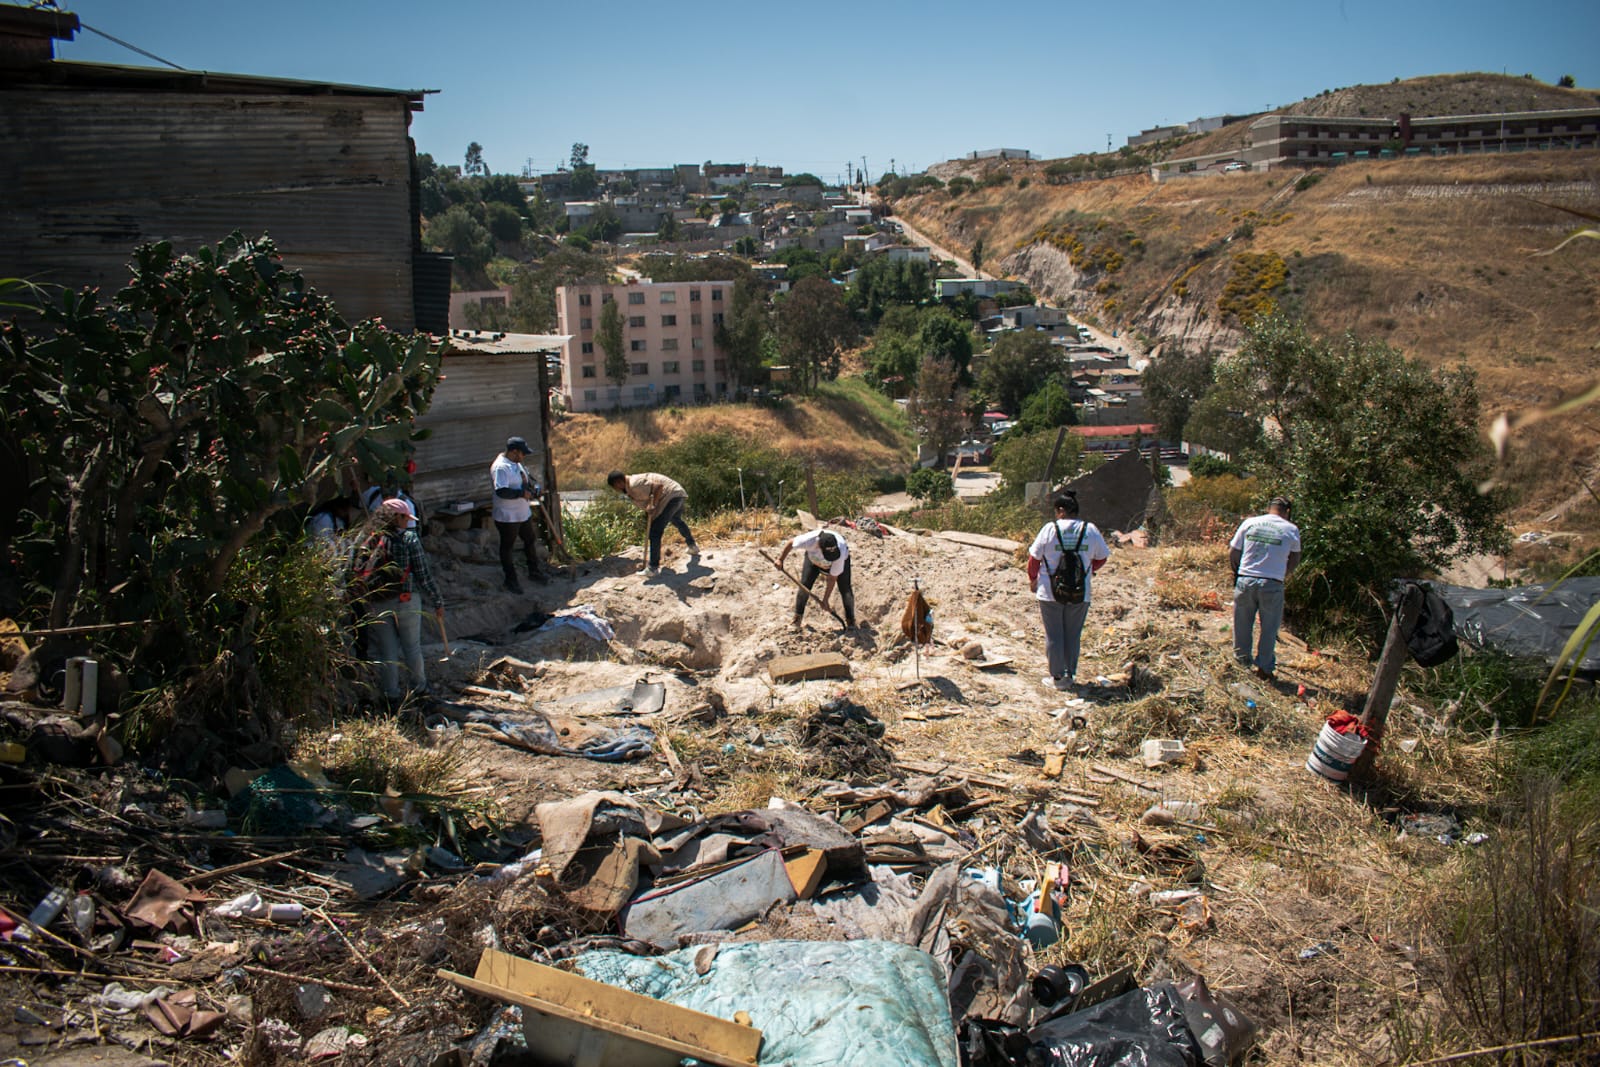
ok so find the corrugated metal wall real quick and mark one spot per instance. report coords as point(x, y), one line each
point(483, 400)
point(89, 175)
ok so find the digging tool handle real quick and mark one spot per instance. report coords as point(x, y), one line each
point(442, 635)
point(550, 524)
point(801, 585)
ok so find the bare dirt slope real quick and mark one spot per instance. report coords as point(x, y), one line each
point(1284, 860)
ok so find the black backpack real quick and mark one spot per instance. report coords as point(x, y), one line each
point(375, 573)
point(1432, 639)
point(1068, 582)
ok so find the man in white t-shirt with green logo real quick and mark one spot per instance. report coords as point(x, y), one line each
point(1263, 552)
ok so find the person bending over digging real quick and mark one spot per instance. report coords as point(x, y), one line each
point(826, 553)
point(662, 500)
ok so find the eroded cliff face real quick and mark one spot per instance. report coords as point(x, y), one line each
point(1186, 322)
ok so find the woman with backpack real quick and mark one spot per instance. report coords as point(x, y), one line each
point(387, 572)
point(1065, 553)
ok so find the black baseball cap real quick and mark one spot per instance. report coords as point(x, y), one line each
point(517, 444)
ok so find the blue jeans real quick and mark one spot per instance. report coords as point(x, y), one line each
point(1063, 634)
point(396, 629)
point(1253, 596)
point(671, 512)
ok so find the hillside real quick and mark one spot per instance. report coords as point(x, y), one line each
point(1439, 257)
point(845, 426)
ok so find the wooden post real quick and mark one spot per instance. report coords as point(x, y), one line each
point(1061, 437)
point(811, 493)
point(1375, 714)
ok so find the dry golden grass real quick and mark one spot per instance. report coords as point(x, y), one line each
point(377, 754)
point(831, 431)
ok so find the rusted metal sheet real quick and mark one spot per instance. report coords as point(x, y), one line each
point(91, 173)
point(483, 399)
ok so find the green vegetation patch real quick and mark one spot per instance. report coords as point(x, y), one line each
point(1252, 288)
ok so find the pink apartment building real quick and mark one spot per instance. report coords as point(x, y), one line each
point(669, 330)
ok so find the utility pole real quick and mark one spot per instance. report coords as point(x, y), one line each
point(863, 175)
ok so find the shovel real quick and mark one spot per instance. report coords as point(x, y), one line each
point(443, 637)
point(801, 585)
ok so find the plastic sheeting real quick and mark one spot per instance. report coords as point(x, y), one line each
point(1531, 621)
point(817, 1003)
point(1144, 1028)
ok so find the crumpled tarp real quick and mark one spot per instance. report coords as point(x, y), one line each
point(1530, 621)
point(594, 845)
point(816, 1003)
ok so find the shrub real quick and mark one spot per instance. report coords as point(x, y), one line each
point(1208, 507)
point(1207, 465)
point(707, 465)
point(842, 493)
point(605, 527)
point(889, 482)
point(1021, 457)
point(930, 485)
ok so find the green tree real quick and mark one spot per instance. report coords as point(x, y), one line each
point(1173, 383)
point(930, 485)
point(504, 223)
point(943, 335)
point(977, 254)
point(1020, 362)
point(608, 335)
point(1381, 456)
point(474, 164)
point(813, 326)
point(728, 206)
point(668, 230)
point(533, 287)
point(1567, 81)
point(1021, 458)
point(1047, 408)
point(462, 236)
point(743, 332)
point(935, 407)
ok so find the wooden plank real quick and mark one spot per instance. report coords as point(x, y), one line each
point(806, 871)
point(952, 771)
point(1123, 776)
point(609, 1009)
point(977, 540)
point(856, 823)
point(809, 667)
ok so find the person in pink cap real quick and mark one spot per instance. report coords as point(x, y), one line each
point(389, 571)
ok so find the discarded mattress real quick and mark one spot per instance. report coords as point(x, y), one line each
point(817, 1003)
point(1530, 621)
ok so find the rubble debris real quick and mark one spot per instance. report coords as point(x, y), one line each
point(1158, 752)
point(723, 900)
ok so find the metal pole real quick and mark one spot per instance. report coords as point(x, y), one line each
point(916, 627)
point(741, 487)
point(780, 496)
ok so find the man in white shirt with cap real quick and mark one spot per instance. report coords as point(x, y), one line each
point(514, 493)
point(823, 553)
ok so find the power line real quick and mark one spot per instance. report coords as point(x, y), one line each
point(131, 47)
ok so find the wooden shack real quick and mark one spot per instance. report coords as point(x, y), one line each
point(493, 386)
point(100, 158)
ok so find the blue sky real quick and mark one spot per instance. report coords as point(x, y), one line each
point(812, 86)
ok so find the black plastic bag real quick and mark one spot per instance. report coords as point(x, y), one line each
point(1144, 1028)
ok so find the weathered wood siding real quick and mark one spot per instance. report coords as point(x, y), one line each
point(87, 175)
point(483, 400)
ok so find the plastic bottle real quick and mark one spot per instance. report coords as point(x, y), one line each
point(81, 911)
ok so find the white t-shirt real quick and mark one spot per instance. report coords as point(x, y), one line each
point(1046, 548)
point(808, 543)
point(508, 475)
point(1265, 544)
